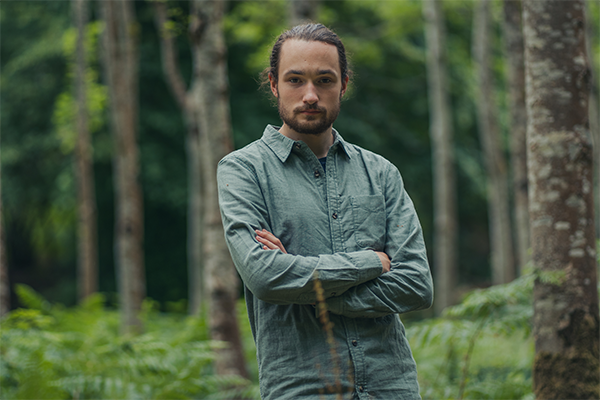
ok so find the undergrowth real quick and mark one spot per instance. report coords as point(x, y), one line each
point(50, 352)
point(480, 348)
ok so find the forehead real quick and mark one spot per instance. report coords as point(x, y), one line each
point(306, 56)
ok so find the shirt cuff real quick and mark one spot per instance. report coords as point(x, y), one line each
point(370, 266)
point(371, 269)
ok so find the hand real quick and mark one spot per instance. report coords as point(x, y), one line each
point(269, 241)
point(385, 261)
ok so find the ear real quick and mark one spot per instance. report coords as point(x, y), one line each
point(344, 86)
point(273, 85)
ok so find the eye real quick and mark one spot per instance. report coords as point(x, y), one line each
point(325, 81)
point(294, 80)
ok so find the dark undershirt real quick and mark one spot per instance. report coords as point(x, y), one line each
point(323, 162)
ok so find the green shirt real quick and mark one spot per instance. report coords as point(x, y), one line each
point(330, 223)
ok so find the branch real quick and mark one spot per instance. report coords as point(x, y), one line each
point(169, 55)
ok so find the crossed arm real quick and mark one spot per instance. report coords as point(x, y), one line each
point(271, 242)
point(362, 283)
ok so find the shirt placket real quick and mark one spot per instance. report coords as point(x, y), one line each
point(348, 325)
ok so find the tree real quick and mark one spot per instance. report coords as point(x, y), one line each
point(212, 99)
point(515, 79)
point(121, 64)
point(566, 321)
point(440, 128)
point(489, 136)
point(594, 103)
point(190, 109)
point(87, 277)
point(303, 11)
point(4, 285)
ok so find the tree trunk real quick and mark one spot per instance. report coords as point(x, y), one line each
point(121, 58)
point(440, 127)
point(303, 11)
point(87, 262)
point(515, 78)
point(498, 201)
point(189, 110)
point(211, 94)
point(4, 283)
point(594, 107)
point(566, 322)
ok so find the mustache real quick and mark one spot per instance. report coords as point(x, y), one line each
point(309, 107)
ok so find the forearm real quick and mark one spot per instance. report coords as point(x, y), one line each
point(280, 278)
point(399, 291)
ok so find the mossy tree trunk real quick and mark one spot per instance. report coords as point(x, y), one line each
point(440, 128)
point(566, 326)
point(121, 64)
point(212, 98)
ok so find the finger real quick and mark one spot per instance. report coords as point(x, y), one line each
point(267, 243)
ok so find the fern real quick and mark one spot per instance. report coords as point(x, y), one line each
point(480, 348)
point(49, 352)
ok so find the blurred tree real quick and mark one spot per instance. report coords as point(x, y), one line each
point(515, 80)
point(187, 101)
point(87, 276)
point(4, 282)
point(442, 146)
point(303, 11)
point(502, 258)
point(566, 320)
point(121, 65)
point(212, 101)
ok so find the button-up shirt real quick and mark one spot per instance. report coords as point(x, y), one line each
point(331, 223)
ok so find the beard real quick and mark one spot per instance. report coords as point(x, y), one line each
point(314, 124)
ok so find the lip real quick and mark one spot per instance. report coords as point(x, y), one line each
point(310, 112)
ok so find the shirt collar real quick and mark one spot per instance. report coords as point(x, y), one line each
point(282, 146)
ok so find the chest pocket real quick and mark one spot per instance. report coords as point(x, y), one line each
point(368, 214)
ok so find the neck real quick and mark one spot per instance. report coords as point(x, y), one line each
point(319, 143)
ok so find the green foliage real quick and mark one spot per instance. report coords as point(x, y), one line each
point(49, 352)
point(64, 117)
point(481, 348)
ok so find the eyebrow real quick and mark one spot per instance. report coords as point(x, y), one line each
point(320, 72)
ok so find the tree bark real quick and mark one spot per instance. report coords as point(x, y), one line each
point(4, 282)
point(211, 94)
point(87, 268)
point(440, 128)
point(195, 205)
point(121, 58)
point(303, 11)
point(594, 107)
point(498, 201)
point(566, 322)
point(515, 78)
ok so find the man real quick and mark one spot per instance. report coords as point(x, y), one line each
point(301, 206)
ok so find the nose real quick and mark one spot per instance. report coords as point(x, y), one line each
point(310, 95)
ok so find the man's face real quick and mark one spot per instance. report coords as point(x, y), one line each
point(310, 86)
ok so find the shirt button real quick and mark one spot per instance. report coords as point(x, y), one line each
point(298, 145)
point(317, 174)
point(334, 216)
point(361, 389)
point(354, 343)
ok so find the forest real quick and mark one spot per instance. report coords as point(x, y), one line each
point(115, 279)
